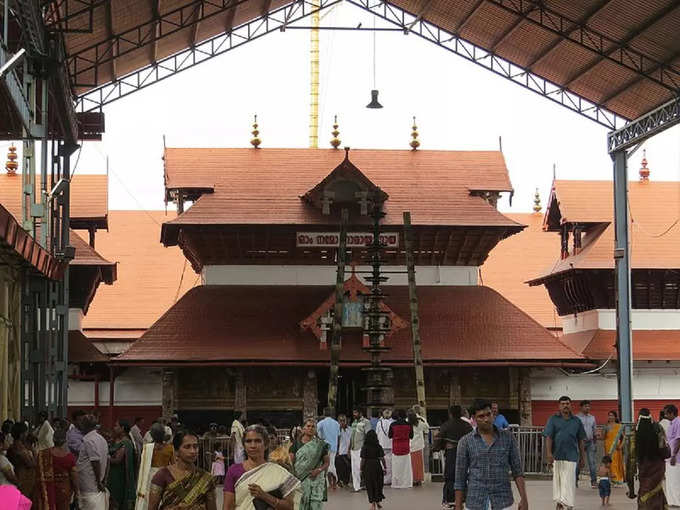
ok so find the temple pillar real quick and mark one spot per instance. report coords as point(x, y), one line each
point(513, 387)
point(240, 393)
point(455, 390)
point(525, 396)
point(310, 397)
point(169, 392)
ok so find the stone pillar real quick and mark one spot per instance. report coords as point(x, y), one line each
point(310, 397)
point(513, 387)
point(455, 390)
point(525, 396)
point(240, 393)
point(169, 392)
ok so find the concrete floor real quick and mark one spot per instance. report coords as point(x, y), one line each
point(428, 497)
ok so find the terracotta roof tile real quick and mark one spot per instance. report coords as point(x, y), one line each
point(87, 256)
point(263, 186)
point(89, 196)
point(515, 259)
point(240, 323)
point(648, 345)
point(654, 224)
point(81, 350)
point(148, 273)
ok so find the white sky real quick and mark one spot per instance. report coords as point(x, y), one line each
point(459, 106)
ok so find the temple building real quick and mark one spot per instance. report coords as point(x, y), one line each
point(260, 228)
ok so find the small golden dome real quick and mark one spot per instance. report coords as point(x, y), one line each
point(335, 142)
point(414, 134)
point(255, 141)
point(11, 166)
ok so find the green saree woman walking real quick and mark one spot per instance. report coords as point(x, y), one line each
point(122, 474)
point(310, 460)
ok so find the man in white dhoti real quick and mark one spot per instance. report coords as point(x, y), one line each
point(237, 431)
point(44, 432)
point(360, 426)
point(565, 444)
point(382, 428)
point(672, 465)
point(92, 465)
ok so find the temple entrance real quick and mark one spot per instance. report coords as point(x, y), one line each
point(349, 390)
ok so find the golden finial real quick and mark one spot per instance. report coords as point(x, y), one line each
point(414, 143)
point(644, 171)
point(255, 142)
point(335, 142)
point(12, 165)
point(537, 202)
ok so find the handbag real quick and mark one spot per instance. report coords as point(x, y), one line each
point(263, 505)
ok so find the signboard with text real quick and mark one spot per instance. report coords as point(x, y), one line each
point(354, 239)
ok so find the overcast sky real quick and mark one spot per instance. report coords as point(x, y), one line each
point(459, 106)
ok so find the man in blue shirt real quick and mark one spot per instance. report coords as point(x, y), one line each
point(565, 444)
point(499, 420)
point(483, 460)
point(328, 429)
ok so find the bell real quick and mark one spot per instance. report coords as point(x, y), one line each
point(374, 100)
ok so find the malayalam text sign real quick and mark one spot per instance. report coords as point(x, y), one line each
point(354, 239)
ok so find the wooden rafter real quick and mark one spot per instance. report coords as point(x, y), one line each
point(197, 16)
point(156, 13)
point(511, 29)
point(468, 16)
point(266, 5)
point(433, 259)
point(229, 19)
point(447, 247)
point(109, 30)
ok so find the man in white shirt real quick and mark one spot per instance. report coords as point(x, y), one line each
point(92, 467)
point(360, 426)
point(237, 431)
point(343, 464)
point(382, 428)
point(45, 432)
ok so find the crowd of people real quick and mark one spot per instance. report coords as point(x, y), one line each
point(572, 443)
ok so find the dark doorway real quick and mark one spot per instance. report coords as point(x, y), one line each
point(349, 389)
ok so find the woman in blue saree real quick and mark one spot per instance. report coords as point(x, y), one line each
point(310, 460)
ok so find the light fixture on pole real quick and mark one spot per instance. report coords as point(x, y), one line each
point(374, 104)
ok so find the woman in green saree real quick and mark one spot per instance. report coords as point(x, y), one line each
point(182, 485)
point(122, 473)
point(310, 460)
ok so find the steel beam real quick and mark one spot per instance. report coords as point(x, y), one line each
point(273, 21)
point(619, 52)
point(624, 340)
point(492, 62)
point(659, 119)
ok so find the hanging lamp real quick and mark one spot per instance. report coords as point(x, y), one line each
point(374, 104)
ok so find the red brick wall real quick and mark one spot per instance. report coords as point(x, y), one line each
point(149, 413)
point(541, 410)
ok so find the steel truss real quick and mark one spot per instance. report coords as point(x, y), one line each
point(411, 23)
point(637, 131)
point(276, 20)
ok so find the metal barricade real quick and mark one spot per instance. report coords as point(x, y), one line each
point(531, 444)
point(207, 446)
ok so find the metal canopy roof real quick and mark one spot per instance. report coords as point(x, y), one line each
point(601, 58)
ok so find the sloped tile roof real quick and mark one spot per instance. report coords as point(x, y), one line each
point(648, 345)
point(518, 258)
point(87, 256)
point(263, 186)
point(148, 273)
point(81, 350)
point(261, 323)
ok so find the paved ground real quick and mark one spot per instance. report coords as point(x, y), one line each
point(428, 497)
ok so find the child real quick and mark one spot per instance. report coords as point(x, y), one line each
point(218, 467)
point(604, 484)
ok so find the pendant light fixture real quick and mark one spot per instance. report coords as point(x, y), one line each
point(374, 104)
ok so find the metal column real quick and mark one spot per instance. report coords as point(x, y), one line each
point(624, 341)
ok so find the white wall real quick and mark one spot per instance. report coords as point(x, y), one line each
point(606, 319)
point(75, 319)
point(134, 387)
point(325, 275)
point(653, 381)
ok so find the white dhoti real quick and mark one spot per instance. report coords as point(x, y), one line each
point(146, 473)
point(331, 466)
point(564, 482)
point(355, 456)
point(388, 467)
point(402, 474)
point(672, 484)
point(94, 500)
point(239, 454)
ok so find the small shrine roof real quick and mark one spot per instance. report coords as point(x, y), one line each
point(519, 257)
point(260, 324)
point(648, 345)
point(81, 350)
point(264, 186)
point(654, 225)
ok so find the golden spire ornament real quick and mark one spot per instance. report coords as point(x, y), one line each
point(255, 141)
point(335, 142)
point(414, 134)
point(644, 171)
point(12, 165)
point(537, 202)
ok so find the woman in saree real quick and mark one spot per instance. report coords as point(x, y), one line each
point(182, 485)
point(122, 473)
point(57, 477)
point(310, 460)
point(613, 446)
point(155, 455)
point(651, 450)
point(22, 457)
point(256, 484)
